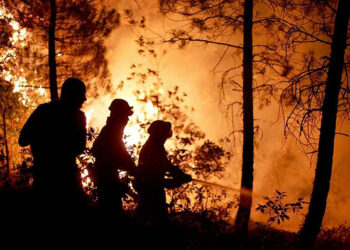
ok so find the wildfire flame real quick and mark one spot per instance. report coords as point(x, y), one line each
point(86, 179)
point(88, 117)
point(20, 83)
point(134, 131)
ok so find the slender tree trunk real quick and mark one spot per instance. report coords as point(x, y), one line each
point(245, 203)
point(7, 151)
point(52, 52)
point(313, 220)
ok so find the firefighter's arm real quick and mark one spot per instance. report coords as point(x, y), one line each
point(81, 133)
point(178, 177)
point(127, 163)
point(174, 170)
point(29, 128)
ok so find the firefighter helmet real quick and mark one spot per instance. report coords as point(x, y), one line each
point(121, 107)
point(160, 128)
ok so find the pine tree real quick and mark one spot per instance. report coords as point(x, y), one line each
point(323, 172)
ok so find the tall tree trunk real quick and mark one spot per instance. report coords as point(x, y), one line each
point(313, 220)
point(245, 203)
point(52, 52)
point(7, 151)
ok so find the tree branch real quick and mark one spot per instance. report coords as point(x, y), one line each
point(173, 40)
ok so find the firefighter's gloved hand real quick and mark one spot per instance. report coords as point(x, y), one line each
point(178, 181)
point(182, 179)
point(186, 178)
point(170, 184)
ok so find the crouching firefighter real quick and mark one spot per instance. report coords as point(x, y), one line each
point(111, 157)
point(156, 172)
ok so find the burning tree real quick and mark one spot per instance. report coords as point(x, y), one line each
point(14, 103)
point(66, 39)
point(5, 45)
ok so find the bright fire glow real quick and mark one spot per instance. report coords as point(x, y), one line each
point(19, 34)
point(42, 91)
point(88, 117)
point(135, 134)
point(19, 82)
point(4, 13)
point(86, 179)
point(122, 174)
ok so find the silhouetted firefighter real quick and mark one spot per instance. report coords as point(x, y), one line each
point(56, 133)
point(156, 172)
point(111, 155)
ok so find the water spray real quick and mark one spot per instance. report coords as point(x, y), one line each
point(237, 190)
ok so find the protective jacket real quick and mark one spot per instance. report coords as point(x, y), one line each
point(111, 156)
point(156, 172)
point(56, 134)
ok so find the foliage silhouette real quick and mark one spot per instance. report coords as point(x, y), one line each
point(277, 210)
